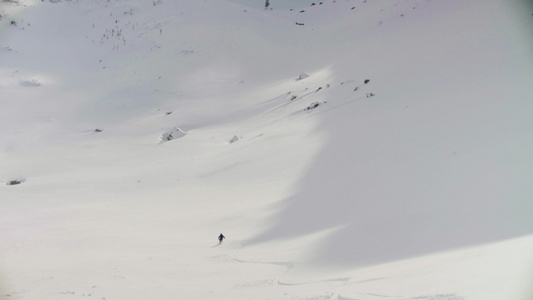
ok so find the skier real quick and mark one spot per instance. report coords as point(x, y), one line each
point(220, 238)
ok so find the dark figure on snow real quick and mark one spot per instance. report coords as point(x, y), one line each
point(220, 238)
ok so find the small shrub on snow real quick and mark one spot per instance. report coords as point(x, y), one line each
point(15, 181)
point(314, 105)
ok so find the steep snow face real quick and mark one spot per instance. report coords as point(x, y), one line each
point(431, 162)
point(346, 149)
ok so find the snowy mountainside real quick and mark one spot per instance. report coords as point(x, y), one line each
point(348, 149)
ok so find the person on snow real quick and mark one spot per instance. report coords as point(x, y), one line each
point(220, 238)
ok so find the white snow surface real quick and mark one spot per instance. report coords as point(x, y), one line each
point(414, 185)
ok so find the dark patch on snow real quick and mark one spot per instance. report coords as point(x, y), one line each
point(16, 181)
point(314, 105)
point(234, 139)
point(30, 83)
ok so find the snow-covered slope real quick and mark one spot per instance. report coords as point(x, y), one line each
point(346, 149)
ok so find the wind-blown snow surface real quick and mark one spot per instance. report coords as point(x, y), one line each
point(399, 169)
